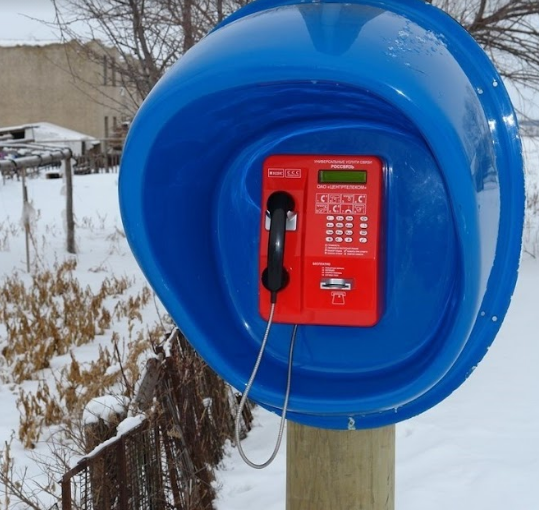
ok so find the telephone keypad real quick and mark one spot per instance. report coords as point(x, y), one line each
point(346, 236)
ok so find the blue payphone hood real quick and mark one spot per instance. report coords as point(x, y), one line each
point(397, 79)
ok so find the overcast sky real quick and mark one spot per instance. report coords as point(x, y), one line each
point(16, 21)
point(19, 21)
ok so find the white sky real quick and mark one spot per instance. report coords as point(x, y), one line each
point(18, 20)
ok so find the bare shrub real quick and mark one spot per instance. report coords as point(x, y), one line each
point(49, 317)
point(53, 314)
point(531, 224)
point(7, 231)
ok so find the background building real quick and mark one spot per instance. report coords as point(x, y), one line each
point(62, 83)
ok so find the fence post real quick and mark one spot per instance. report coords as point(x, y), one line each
point(70, 221)
point(66, 493)
point(122, 474)
point(25, 217)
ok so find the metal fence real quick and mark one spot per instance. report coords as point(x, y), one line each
point(94, 163)
point(167, 461)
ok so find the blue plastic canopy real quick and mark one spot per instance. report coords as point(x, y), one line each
point(394, 78)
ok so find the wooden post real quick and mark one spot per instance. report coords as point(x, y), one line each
point(26, 218)
point(106, 151)
point(70, 221)
point(340, 470)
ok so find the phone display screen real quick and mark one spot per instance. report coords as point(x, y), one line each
point(342, 176)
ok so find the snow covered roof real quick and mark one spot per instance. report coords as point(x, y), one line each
point(46, 132)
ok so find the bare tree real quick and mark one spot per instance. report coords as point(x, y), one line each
point(508, 30)
point(139, 39)
point(144, 37)
point(137, 42)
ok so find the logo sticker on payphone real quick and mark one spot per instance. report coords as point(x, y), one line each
point(332, 267)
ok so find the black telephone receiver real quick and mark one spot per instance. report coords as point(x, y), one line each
point(275, 276)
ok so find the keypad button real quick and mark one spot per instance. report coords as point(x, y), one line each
point(330, 225)
point(348, 225)
point(340, 218)
point(330, 218)
point(338, 239)
point(362, 232)
point(348, 239)
point(363, 225)
point(362, 239)
point(329, 239)
point(339, 225)
point(348, 232)
point(349, 218)
point(329, 232)
point(339, 232)
point(364, 218)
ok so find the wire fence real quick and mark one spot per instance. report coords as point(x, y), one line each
point(167, 461)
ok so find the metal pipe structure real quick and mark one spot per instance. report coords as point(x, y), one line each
point(36, 160)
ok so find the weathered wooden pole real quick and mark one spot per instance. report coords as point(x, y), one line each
point(340, 469)
point(70, 220)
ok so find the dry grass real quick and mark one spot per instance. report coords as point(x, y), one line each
point(8, 230)
point(51, 316)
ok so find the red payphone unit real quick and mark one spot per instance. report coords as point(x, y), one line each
point(328, 211)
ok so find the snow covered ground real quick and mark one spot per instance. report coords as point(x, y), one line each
point(477, 450)
point(102, 252)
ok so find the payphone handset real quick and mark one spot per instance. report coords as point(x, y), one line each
point(328, 208)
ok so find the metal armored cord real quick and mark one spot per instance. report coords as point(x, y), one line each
point(248, 389)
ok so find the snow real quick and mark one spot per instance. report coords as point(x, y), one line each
point(102, 252)
point(47, 132)
point(106, 408)
point(125, 426)
point(130, 423)
point(51, 135)
point(477, 450)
